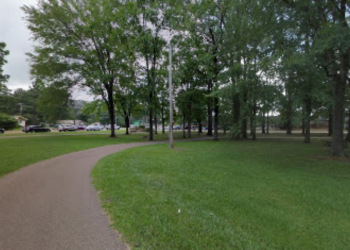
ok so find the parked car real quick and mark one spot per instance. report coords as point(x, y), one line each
point(2, 130)
point(108, 127)
point(176, 127)
point(81, 127)
point(35, 129)
point(66, 127)
point(93, 127)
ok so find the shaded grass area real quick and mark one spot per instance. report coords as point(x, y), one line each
point(19, 152)
point(227, 195)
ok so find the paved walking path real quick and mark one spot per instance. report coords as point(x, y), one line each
point(52, 205)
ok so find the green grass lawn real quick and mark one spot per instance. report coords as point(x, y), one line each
point(227, 195)
point(19, 152)
point(56, 133)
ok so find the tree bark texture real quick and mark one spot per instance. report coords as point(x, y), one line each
point(337, 147)
point(348, 125)
point(330, 122)
point(111, 109)
point(236, 116)
point(127, 124)
point(183, 125)
point(263, 123)
point(150, 116)
point(210, 115)
point(253, 121)
point(163, 121)
point(306, 120)
point(216, 119)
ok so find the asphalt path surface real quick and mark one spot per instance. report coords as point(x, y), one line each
point(53, 205)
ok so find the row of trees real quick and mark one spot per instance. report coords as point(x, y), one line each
point(235, 60)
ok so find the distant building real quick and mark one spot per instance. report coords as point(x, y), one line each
point(21, 120)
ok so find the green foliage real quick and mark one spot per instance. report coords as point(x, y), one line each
point(273, 56)
point(80, 44)
point(53, 102)
point(3, 54)
point(7, 122)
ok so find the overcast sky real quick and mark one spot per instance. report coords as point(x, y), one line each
point(14, 32)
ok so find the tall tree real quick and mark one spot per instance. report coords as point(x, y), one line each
point(328, 20)
point(3, 78)
point(146, 19)
point(79, 43)
point(53, 102)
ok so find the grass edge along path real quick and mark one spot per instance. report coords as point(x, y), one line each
point(16, 153)
point(227, 195)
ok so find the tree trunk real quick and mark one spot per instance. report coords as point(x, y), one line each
point(244, 128)
point(189, 119)
point(216, 119)
point(303, 119)
point(189, 127)
point(303, 126)
point(155, 124)
point(267, 124)
point(337, 147)
point(111, 111)
point(306, 120)
point(245, 117)
point(263, 124)
point(127, 123)
point(348, 125)
point(163, 122)
point(330, 122)
point(253, 122)
point(150, 116)
point(183, 126)
point(210, 120)
point(210, 115)
point(236, 115)
point(289, 119)
point(200, 127)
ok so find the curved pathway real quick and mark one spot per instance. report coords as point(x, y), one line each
point(52, 205)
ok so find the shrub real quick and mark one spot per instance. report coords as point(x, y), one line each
point(7, 122)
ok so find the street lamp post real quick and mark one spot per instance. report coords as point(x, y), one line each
point(171, 137)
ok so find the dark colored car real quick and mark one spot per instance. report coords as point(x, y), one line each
point(2, 130)
point(35, 129)
point(81, 127)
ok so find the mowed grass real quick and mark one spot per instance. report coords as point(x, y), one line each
point(227, 195)
point(56, 133)
point(19, 152)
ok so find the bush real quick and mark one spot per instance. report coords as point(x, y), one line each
point(7, 122)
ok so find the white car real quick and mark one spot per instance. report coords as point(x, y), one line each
point(93, 127)
point(116, 127)
point(66, 127)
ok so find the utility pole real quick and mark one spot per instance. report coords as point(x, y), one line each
point(171, 137)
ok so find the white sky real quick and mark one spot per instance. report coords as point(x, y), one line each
point(14, 32)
